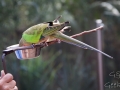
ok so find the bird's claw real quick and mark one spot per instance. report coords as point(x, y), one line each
point(58, 40)
point(46, 44)
point(33, 45)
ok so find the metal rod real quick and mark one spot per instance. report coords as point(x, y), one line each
point(100, 63)
point(4, 63)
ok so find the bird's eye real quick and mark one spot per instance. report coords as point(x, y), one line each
point(50, 23)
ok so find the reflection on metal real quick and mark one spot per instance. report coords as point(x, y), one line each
point(26, 53)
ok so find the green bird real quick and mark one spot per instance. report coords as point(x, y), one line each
point(33, 34)
point(51, 31)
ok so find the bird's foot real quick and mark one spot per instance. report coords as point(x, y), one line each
point(58, 40)
point(33, 45)
point(46, 44)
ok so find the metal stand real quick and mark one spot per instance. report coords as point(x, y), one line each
point(4, 63)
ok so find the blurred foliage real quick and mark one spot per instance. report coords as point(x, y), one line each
point(61, 66)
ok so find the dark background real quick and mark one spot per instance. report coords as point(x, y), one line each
point(63, 66)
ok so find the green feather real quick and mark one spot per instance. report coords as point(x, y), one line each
point(31, 38)
point(34, 33)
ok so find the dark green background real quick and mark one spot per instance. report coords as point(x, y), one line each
point(62, 66)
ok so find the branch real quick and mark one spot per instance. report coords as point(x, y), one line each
point(86, 32)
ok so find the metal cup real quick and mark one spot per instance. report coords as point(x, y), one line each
point(26, 53)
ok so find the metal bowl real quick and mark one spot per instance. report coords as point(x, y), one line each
point(25, 53)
